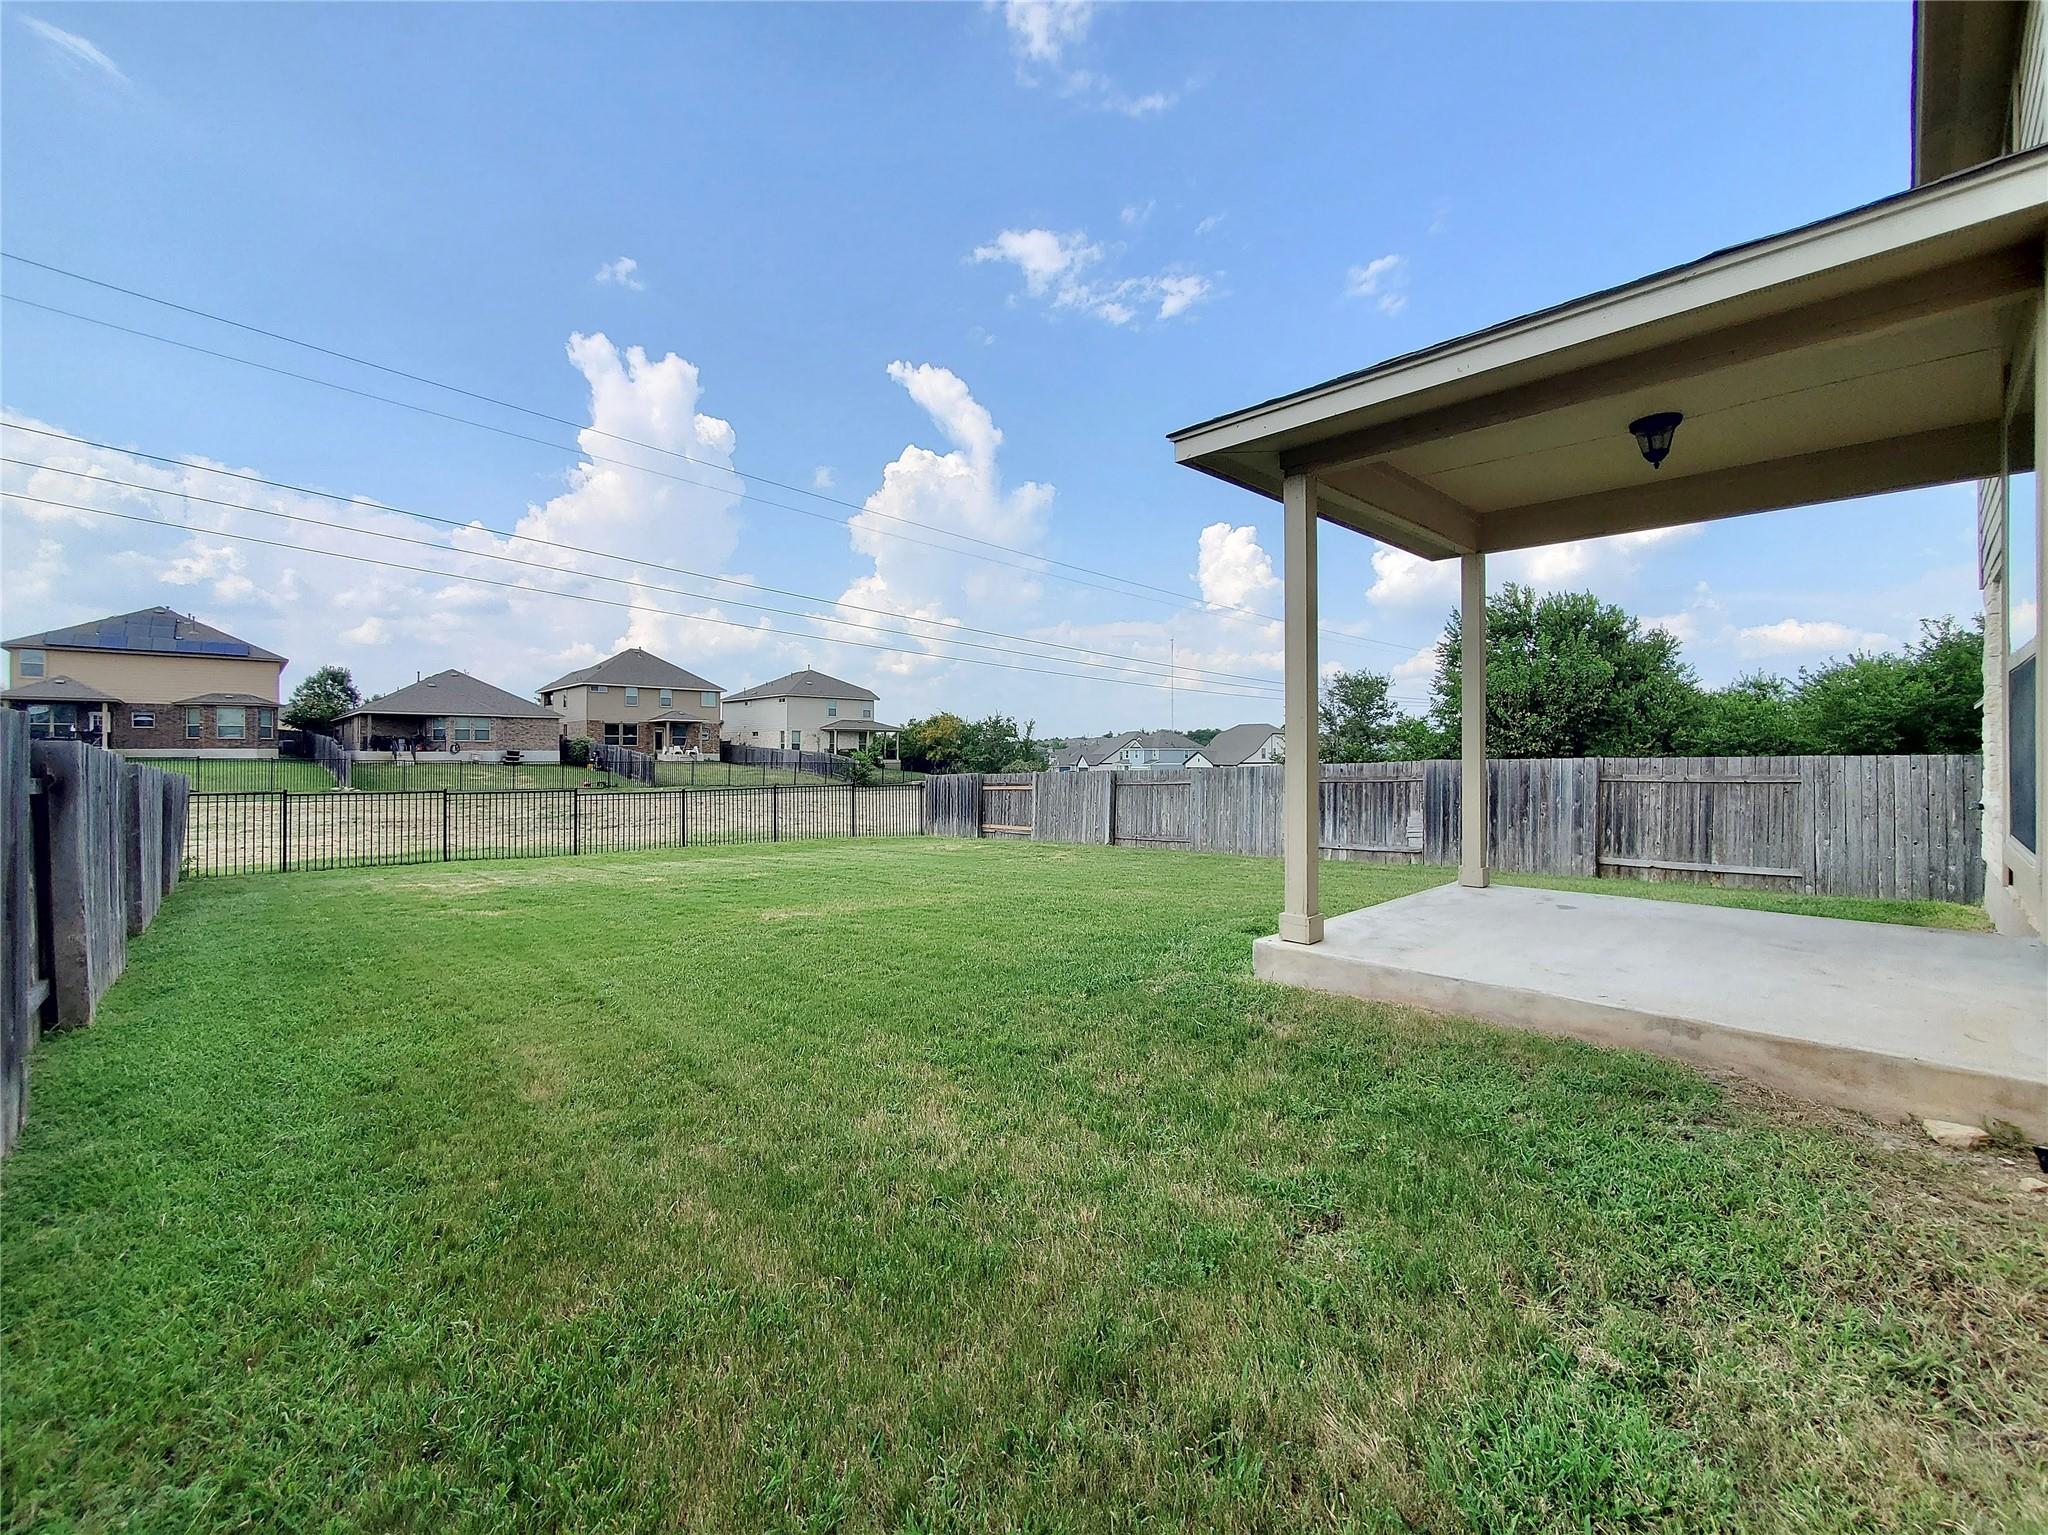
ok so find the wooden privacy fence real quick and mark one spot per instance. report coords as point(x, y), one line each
point(89, 847)
point(1892, 827)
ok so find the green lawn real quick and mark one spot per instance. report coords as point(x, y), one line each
point(921, 1186)
point(225, 775)
point(1848, 907)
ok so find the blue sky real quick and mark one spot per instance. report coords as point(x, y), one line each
point(963, 265)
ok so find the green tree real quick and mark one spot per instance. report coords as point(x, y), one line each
point(1356, 718)
point(934, 745)
point(1568, 675)
point(1754, 716)
point(1925, 698)
point(323, 696)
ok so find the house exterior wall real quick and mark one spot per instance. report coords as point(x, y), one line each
point(770, 721)
point(1269, 751)
point(535, 737)
point(585, 712)
point(143, 675)
point(170, 732)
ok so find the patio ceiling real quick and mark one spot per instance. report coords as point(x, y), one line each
point(1862, 354)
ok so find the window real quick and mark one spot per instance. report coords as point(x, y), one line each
point(192, 726)
point(600, 688)
point(668, 697)
point(438, 729)
point(141, 719)
point(230, 721)
point(472, 731)
point(29, 663)
point(266, 723)
point(632, 698)
point(620, 735)
point(867, 711)
point(832, 711)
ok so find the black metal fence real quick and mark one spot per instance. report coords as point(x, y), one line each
point(281, 832)
point(246, 775)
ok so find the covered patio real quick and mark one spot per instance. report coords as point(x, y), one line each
point(1893, 347)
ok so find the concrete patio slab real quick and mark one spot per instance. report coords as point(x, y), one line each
point(1891, 1021)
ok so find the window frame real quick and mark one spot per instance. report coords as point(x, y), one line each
point(668, 698)
point(24, 668)
point(708, 700)
point(239, 731)
point(195, 723)
point(142, 719)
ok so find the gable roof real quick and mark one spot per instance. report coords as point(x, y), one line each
point(157, 630)
point(802, 684)
point(56, 690)
point(1230, 747)
point(247, 700)
point(453, 692)
point(1097, 748)
point(634, 668)
point(1088, 749)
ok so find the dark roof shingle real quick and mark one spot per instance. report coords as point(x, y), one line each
point(453, 692)
point(635, 668)
point(159, 630)
point(802, 684)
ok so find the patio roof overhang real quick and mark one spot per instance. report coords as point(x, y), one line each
point(1862, 354)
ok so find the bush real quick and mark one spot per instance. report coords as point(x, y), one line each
point(576, 751)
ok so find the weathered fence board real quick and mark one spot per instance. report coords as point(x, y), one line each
point(1905, 827)
point(20, 969)
point(88, 899)
point(142, 831)
point(1006, 804)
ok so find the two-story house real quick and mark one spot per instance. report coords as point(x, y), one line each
point(637, 699)
point(1135, 750)
point(804, 711)
point(149, 683)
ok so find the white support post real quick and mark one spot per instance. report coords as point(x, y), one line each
point(2039, 341)
point(1472, 718)
point(1301, 917)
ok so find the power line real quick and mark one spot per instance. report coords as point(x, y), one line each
point(550, 543)
point(1178, 598)
point(609, 602)
point(1165, 678)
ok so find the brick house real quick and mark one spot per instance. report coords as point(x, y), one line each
point(452, 716)
point(154, 682)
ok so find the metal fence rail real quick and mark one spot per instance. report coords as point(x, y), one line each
point(282, 833)
point(247, 775)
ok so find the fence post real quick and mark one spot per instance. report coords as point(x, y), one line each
point(575, 821)
point(683, 817)
point(284, 834)
point(774, 813)
point(444, 826)
point(852, 809)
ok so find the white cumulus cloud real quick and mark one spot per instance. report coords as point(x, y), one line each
point(1796, 636)
point(623, 273)
point(1059, 269)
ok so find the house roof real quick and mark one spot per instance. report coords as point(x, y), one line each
point(1095, 748)
point(1859, 354)
point(249, 700)
point(149, 630)
point(851, 725)
point(803, 684)
point(56, 690)
point(453, 692)
point(1230, 747)
point(634, 668)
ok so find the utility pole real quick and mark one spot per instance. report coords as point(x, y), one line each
point(1169, 685)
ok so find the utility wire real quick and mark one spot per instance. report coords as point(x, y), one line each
point(1164, 678)
point(549, 543)
point(1180, 598)
point(609, 602)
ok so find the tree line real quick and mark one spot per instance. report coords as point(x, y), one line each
point(1568, 675)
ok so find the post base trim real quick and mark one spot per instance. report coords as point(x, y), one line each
point(1296, 928)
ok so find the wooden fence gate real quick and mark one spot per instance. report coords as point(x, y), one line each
point(1150, 810)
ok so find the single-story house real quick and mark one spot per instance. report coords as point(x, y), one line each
point(1241, 746)
point(640, 700)
point(154, 682)
point(804, 711)
point(452, 716)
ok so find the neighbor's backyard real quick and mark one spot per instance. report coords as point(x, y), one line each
point(915, 1186)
